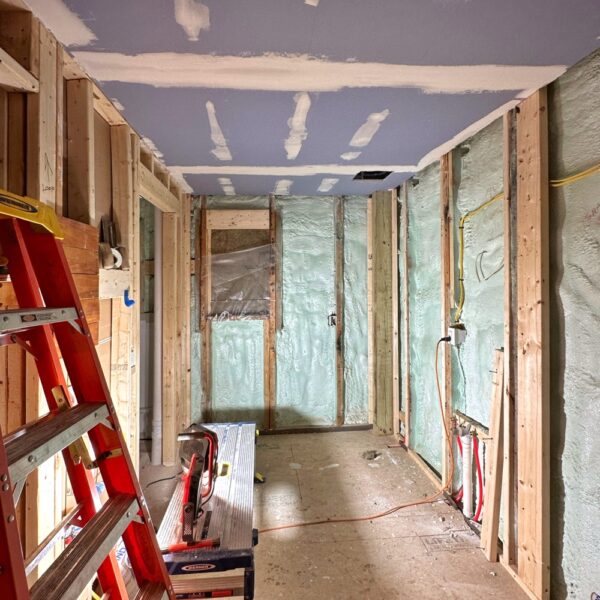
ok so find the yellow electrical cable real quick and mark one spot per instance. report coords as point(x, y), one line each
point(461, 252)
point(576, 177)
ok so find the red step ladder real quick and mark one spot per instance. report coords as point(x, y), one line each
point(51, 320)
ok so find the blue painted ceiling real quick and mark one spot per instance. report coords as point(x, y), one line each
point(254, 107)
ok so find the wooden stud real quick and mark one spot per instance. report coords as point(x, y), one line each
point(494, 456)
point(186, 308)
point(238, 219)
point(446, 203)
point(405, 318)
point(533, 340)
point(134, 266)
point(81, 202)
point(509, 551)
point(394, 310)
point(169, 326)
point(384, 306)
point(270, 357)
point(203, 257)
point(339, 310)
point(153, 190)
point(105, 108)
point(370, 319)
point(3, 140)
point(122, 189)
point(60, 129)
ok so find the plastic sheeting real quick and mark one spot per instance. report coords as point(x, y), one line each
point(237, 371)
point(478, 177)
point(424, 315)
point(356, 344)
point(574, 109)
point(306, 381)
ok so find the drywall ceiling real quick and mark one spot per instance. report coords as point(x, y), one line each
point(297, 96)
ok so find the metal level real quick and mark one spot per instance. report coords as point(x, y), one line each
point(17, 320)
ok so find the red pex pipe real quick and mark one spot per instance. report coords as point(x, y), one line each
point(479, 480)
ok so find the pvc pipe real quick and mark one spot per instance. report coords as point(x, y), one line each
point(467, 474)
point(156, 457)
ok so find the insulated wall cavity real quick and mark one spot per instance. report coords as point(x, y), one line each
point(237, 371)
point(424, 285)
point(356, 345)
point(478, 177)
point(306, 363)
point(574, 113)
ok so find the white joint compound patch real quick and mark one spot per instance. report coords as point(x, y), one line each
point(364, 134)
point(297, 125)
point(288, 171)
point(193, 16)
point(221, 151)
point(63, 22)
point(152, 147)
point(327, 184)
point(283, 187)
point(350, 155)
point(276, 72)
point(312, 2)
point(227, 186)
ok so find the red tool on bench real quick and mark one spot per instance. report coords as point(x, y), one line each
point(198, 453)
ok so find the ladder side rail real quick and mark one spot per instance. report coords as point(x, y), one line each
point(13, 580)
point(88, 382)
point(52, 375)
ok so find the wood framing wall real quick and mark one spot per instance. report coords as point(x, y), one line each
point(522, 421)
point(63, 142)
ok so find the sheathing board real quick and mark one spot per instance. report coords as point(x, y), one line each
point(424, 288)
point(356, 346)
point(574, 121)
point(478, 174)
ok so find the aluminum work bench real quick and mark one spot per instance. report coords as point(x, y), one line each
point(226, 571)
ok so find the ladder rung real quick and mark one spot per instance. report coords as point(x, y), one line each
point(151, 591)
point(80, 560)
point(17, 320)
point(28, 447)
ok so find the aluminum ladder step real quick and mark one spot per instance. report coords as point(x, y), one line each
point(29, 446)
point(80, 560)
point(19, 319)
point(151, 591)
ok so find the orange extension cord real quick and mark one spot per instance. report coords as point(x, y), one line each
point(394, 509)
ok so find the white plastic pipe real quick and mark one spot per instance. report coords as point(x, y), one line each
point(467, 475)
point(156, 457)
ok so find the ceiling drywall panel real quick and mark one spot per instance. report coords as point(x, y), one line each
point(238, 91)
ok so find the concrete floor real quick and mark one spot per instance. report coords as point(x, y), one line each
point(423, 552)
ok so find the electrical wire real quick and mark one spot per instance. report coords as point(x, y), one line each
point(556, 183)
point(445, 485)
point(480, 498)
point(461, 252)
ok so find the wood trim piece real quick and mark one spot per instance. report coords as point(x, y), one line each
point(405, 317)
point(339, 310)
point(155, 192)
point(446, 204)
point(494, 457)
point(238, 219)
point(81, 203)
point(533, 349)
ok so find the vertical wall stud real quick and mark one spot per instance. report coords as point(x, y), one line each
point(533, 338)
point(405, 318)
point(339, 310)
